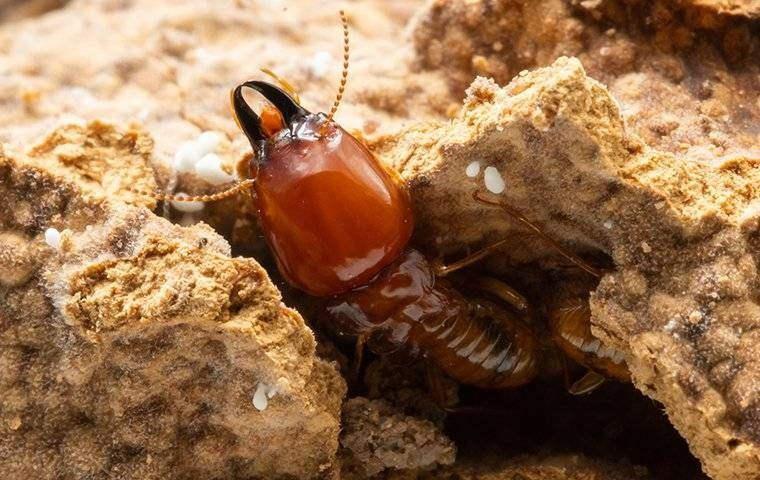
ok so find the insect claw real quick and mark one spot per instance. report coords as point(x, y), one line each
point(250, 122)
point(587, 383)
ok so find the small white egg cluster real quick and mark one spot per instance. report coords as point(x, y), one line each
point(198, 156)
point(262, 395)
point(491, 176)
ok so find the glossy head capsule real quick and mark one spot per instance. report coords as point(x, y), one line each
point(331, 213)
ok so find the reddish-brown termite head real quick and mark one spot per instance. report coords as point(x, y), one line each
point(332, 214)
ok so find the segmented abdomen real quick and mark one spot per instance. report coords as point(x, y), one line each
point(570, 324)
point(407, 309)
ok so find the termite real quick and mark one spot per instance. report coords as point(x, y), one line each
point(570, 326)
point(338, 223)
point(569, 321)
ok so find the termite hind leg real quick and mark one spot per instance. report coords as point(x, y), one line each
point(500, 290)
point(437, 387)
point(358, 360)
point(519, 217)
point(443, 270)
point(587, 383)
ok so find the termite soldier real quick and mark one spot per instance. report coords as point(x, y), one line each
point(338, 223)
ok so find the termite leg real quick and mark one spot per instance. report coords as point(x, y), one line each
point(284, 83)
point(506, 294)
point(587, 383)
point(502, 291)
point(517, 215)
point(356, 363)
point(443, 270)
point(436, 386)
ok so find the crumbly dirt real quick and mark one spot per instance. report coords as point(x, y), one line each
point(686, 74)
point(539, 467)
point(134, 350)
point(376, 438)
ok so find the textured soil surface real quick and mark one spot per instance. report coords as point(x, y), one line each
point(147, 341)
point(135, 348)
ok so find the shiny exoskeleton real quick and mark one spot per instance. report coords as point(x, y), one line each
point(332, 215)
point(338, 223)
point(570, 325)
point(407, 308)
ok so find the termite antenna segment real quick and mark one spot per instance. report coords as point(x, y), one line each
point(344, 75)
point(213, 197)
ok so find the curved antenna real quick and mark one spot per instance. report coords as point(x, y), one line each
point(284, 83)
point(344, 75)
point(213, 197)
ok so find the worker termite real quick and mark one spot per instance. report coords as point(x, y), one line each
point(339, 222)
point(570, 325)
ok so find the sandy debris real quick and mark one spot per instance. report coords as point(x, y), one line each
point(133, 346)
point(683, 239)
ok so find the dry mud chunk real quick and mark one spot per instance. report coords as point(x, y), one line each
point(135, 349)
point(683, 236)
point(377, 438)
point(687, 78)
point(101, 159)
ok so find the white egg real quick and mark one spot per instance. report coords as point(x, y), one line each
point(494, 181)
point(53, 238)
point(186, 157)
point(260, 397)
point(207, 142)
point(473, 169)
point(209, 168)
